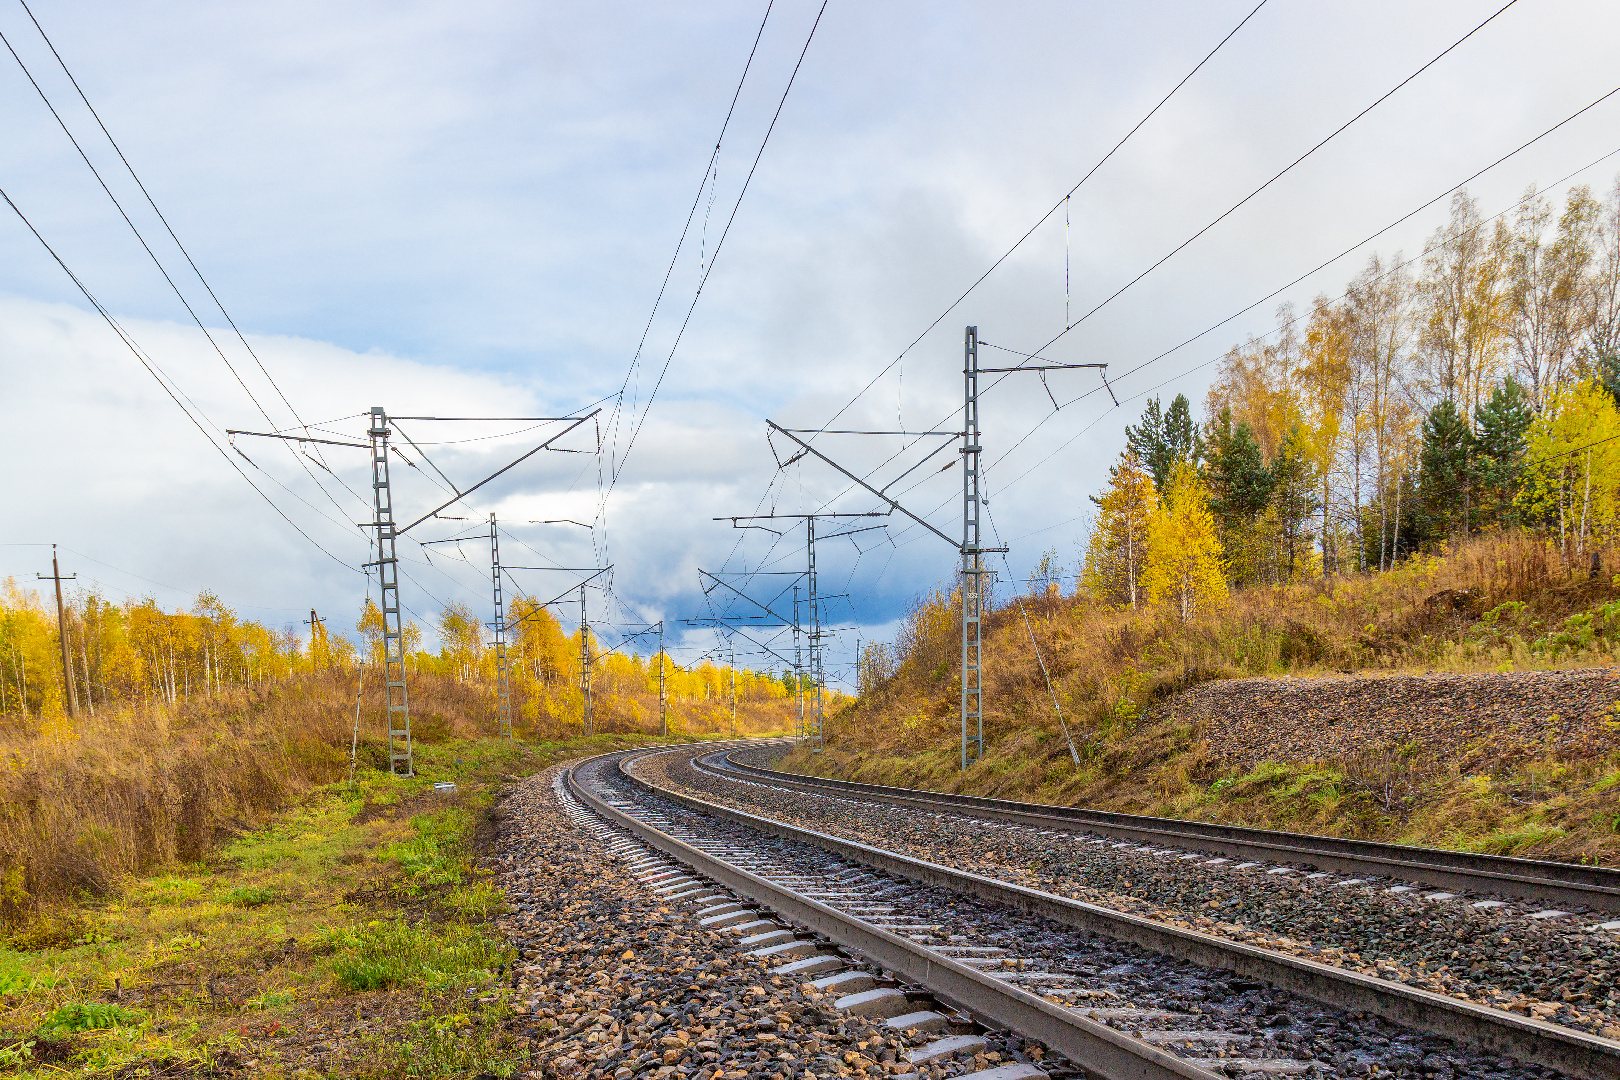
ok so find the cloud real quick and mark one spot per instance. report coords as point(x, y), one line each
point(470, 208)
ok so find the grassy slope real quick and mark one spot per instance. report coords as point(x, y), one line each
point(347, 937)
point(1117, 672)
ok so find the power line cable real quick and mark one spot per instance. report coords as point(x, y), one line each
point(1335, 133)
point(153, 204)
point(1008, 253)
point(685, 229)
point(1276, 292)
point(175, 288)
point(1395, 268)
point(1070, 326)
point(1044, 218)
point(151, 369)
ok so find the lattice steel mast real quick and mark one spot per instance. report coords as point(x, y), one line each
point(818, 677)
point(503, 687)
point(587, 720)
point(663, 690)
point(972, 576)
point(798, 664)
point(399, 708)
point(971, 547)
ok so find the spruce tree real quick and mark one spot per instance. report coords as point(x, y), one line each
point(1239, 485)
point(1293, 496)
point(1499, 449)
point(1445, 471)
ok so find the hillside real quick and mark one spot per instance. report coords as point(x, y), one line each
point(1465, 700)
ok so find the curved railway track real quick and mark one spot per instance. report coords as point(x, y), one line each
point(1116, 994)
point(1567, 884)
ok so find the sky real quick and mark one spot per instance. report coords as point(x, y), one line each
point(471, 210)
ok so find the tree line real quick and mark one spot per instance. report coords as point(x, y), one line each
point(1475, 386)
point(136, 651)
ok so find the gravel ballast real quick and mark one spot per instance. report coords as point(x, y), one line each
point(614, 982)
point(1552, 968)
point(1473, 722)
point(1153, 994)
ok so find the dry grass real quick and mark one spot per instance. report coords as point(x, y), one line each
point(86, 804)
point(1112, 671)
point(348, 936)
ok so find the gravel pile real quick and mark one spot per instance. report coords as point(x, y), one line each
point(1474, 722)
point(1551, 969)
point(614, 983)
point(1262, 1022)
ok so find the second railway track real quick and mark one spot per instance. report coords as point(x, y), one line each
point(1116, 994)
point(1570, 884)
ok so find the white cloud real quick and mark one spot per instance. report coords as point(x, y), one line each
point(470, 208)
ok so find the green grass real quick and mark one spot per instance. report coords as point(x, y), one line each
point(394, 955)
point(357, 897)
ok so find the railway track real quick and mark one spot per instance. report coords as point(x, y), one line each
point(1492, 876)
point(927, 947)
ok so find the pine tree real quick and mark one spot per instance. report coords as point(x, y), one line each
point(1118, 546)
point(1160, 439)
point(1184, 564)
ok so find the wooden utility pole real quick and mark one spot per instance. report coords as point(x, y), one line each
point(61, 633)
point(317, 631)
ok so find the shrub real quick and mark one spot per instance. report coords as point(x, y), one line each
point(87, 1016)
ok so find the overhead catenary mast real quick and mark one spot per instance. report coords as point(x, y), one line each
point(798, 665)
point(398, 699)
point(586, 719)
point(814, 634)
point(387, 533)
point(970, 547)
point(503, 686)
point(663, 690)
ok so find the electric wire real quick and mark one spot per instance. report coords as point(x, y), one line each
point(151, 369)
point(1335, 133)
point(1274, 293)
point(1289, 324)
point(152, 254)
point(1046, 216)
point(1363, 112)
point(615, 418)
point(153, 204)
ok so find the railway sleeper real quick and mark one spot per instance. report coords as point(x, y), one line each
point(883, 998)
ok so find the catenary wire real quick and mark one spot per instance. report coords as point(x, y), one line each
point(714, 258)
point(616, 418)
point(175, 288)
point(1335, 133)
point(1343, 254)
point(1046, 216)
point(153, 204)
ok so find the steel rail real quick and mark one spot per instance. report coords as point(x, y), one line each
point(1571, 1052)
point(1097, 1047)
point(1555, 882)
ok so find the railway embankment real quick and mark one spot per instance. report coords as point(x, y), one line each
point(1462, 700)
point(1513, 763)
